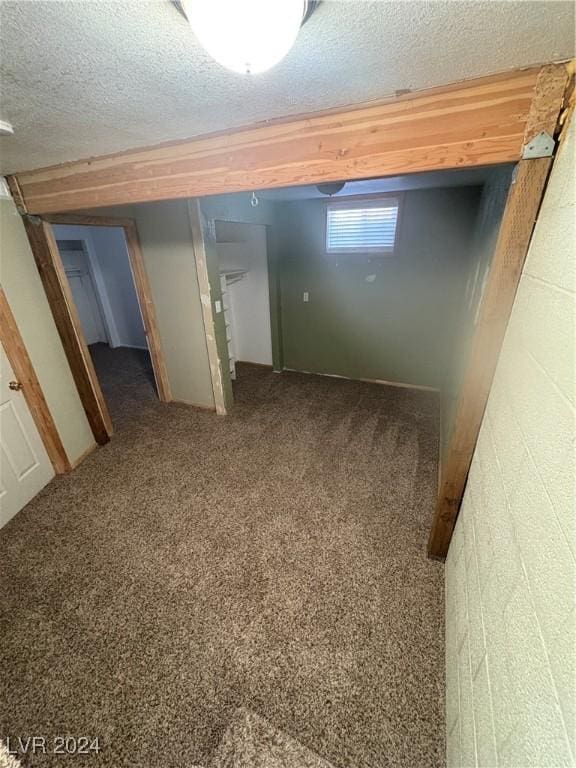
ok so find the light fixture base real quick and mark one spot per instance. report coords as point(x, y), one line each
point(6, 128)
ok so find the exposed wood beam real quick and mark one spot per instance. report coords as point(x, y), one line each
point(479, 122)
point(63, 309)
point(516, 229)
point(24, 371)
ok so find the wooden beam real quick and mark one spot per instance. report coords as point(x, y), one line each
point(87, 220)
point(24, 371)
point(518, 222)
point(479, 122)
point(67, 321)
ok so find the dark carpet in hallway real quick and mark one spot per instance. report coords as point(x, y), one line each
point(273, 559)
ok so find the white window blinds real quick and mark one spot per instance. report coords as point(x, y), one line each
point(363, 226)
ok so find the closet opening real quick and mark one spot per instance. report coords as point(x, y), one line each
point(245, 289)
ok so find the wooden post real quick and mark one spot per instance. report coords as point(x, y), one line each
point(518, 222)
point(65, 315)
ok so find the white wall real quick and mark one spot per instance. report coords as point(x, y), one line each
point(110, 247)
point(245, 248)
point(113, 282)
point(21, 282)
point(511, 567)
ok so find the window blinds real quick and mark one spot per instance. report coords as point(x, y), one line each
point(362, 227)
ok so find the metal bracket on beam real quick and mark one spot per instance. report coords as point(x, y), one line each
point(542, 145)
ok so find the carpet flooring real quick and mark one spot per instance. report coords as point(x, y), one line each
point(272, 560)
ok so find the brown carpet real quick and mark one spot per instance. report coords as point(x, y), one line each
point(273, 560)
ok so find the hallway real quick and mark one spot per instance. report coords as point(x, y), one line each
point(126, 378)
point(273, 560)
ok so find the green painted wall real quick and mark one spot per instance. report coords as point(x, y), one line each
point(386, 317)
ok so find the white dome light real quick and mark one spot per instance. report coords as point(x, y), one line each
point(247, 36)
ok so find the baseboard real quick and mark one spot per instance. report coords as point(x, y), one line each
point(83, 455)
point(130, 346)
point(381, 382)
point(401, 384)
point(202, 406)
point(260, 365)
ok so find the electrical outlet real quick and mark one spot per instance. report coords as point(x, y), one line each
point(218, 307)
point(306, 296)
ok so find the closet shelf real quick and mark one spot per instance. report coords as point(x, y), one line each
point(232, 275)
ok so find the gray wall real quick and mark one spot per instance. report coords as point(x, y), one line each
point(491, 209)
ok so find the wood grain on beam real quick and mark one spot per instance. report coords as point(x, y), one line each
point(479, 122)
point(516, 229)
point(24, 371)
point(67, 321)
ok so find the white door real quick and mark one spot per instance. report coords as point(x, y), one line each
point(24, 464)
point(84, 294)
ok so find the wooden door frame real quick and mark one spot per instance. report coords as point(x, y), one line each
point(24, 372)
point(487, 121)
point(45, 249)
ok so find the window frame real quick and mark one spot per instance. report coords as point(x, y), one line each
point(360, 201)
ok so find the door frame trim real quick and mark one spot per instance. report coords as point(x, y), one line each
point(19, 359)
point(51, 269)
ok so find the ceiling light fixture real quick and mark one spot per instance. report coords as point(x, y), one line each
point(330, 187)
point(6, 128)
point(247, 36)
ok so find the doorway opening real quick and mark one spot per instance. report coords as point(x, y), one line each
point(245, 288)
point(82, 310)
point(97, 267)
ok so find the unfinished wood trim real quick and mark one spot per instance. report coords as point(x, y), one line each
point(87, 220)
point(516, 229)
point(548, 100)
point(65, 315)
point(196, 225)
point(479, 122)
point(16, 193)
point(144, 294)
point(17, 354)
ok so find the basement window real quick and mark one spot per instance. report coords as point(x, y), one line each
point(363, 226)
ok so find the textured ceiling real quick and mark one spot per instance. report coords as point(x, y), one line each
point(80, 79)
